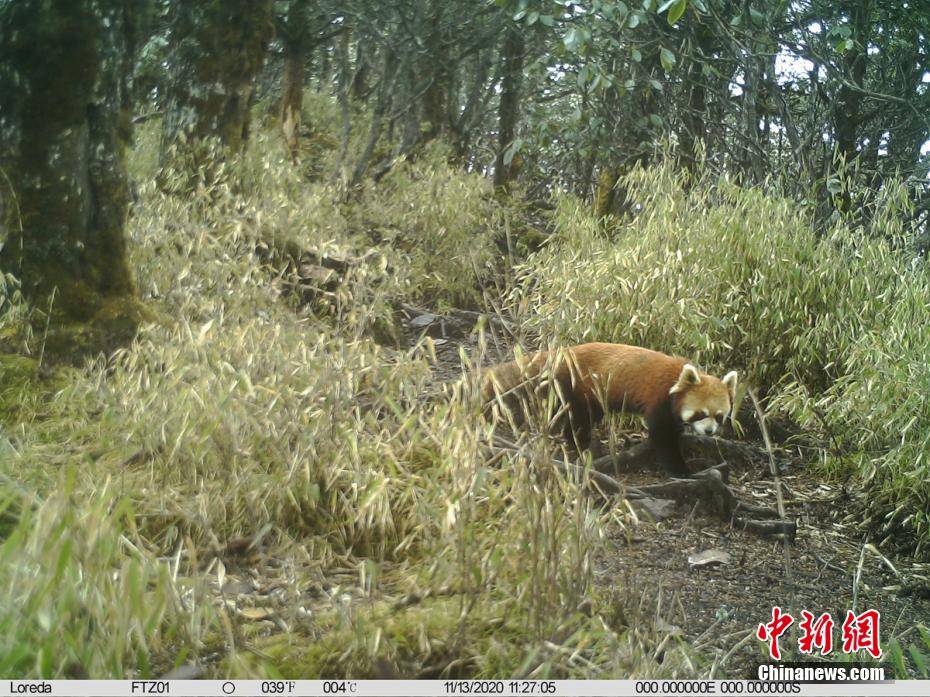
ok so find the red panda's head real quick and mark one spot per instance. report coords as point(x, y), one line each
point(703, 401)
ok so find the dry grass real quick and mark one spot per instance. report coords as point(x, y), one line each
point(240, 414)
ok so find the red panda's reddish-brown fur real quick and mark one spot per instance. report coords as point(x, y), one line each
point(596, 378)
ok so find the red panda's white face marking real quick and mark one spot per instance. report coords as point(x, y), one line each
point(704, 401)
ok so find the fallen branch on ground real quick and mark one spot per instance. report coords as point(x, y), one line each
point(706, 487)
point(694, 446)
point(458, 312)
point(307, 272)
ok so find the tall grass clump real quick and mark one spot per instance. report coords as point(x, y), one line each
point(828, 325)
point(80, 596)
point(446, 221)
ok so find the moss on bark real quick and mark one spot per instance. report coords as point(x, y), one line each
point(218, 47)
point(64, 128)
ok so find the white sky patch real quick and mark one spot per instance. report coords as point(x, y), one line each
point(791, 67)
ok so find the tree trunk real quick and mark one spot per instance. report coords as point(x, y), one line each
point(382, 105)
point(693, 129)
point(64, 126)
point(469, 116)
point(292, 89)
point(292, 82)
point(751, 147)
point(606, 192)
point(325, 73)
point(848, 111)
point(435, 70)
point(218, 47)
point(362, 70)
point(849, 100)
point(509, 108)
point(611, 196)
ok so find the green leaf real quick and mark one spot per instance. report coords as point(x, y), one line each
point(655, 120)
point(547, 20)
point(757, 17)
point(584, 75)
point(512, 150)
point(678, 9)
point(633, 21)
point(845, 45)
point(667, 58)
point(532, 19)
point(656, 85)
point(572, 38)
point(920, 660)
point(636, 55)
point(665, 5)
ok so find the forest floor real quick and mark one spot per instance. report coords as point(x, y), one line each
point(717, 607)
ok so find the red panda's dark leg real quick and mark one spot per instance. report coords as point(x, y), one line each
point(578, 423)
point(664, 436)
point(578, 433)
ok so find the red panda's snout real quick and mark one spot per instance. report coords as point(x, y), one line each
point(707, 426)
point(703, 401)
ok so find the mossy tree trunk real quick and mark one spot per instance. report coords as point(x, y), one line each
point(64, 127)
point(360, 87)
point(218, 47)
point(435, 69)
point(294, 40)
point(605, 193)
point(505, 169)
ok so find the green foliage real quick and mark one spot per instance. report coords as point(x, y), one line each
point(917, 650)
point(829, 326)
point(80, 596)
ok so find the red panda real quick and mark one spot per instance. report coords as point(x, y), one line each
point(595, 378)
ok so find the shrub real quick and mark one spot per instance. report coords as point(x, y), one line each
point(445, 221)
point(830, 326)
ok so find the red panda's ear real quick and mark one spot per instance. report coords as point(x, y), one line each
point(730, 381)
point(689, 376)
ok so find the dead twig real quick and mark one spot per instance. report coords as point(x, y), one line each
point(775, 478)
point(603, 484)
point(787, 528)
